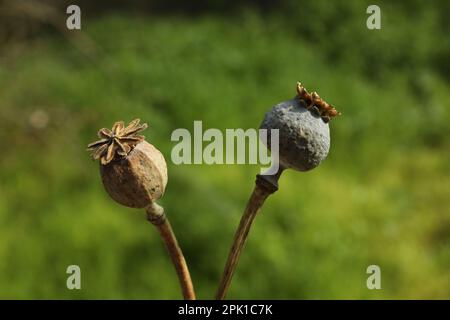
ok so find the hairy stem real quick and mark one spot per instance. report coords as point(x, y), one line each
point(155, 214)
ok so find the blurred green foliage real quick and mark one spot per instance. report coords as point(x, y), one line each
point(380, 198)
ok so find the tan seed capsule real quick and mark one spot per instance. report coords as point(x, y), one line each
point(138, 179)
point(133, 171)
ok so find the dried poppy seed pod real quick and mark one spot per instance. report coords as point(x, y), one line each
point(304, 136)
point(137, 180)
point(134, 173)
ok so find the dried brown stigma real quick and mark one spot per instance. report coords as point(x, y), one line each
point(117, 142)
point(304, 95)
point(313, 102)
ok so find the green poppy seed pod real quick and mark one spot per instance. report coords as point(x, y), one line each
point(303, 143)
point(137, 180)
point(304, 138)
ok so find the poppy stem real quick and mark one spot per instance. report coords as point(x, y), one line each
point(264, 187)
point(155, 214)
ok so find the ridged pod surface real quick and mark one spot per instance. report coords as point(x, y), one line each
point(138, 179)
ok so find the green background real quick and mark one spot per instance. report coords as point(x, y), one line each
point(381, 197)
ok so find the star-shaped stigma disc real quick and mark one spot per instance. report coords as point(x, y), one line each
point(118, 142)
